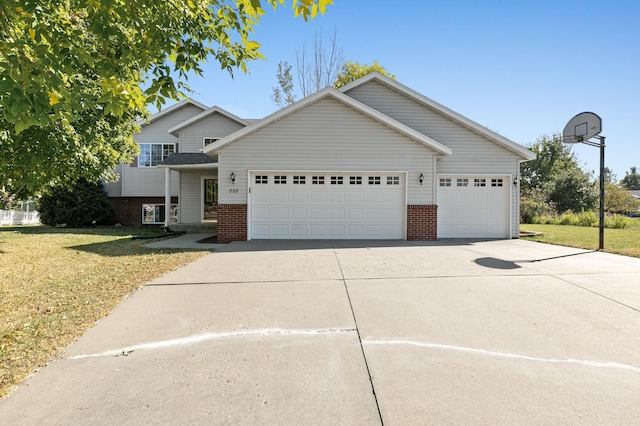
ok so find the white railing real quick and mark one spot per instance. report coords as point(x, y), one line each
point(18, 217)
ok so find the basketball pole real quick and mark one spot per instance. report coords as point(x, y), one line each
point(601, 241)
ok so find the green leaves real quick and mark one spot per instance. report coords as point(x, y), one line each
point(71, 74)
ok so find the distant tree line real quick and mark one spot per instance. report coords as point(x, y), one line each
point(554, 183)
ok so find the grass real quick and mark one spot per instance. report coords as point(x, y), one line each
point(619, 241)
point(56, 283)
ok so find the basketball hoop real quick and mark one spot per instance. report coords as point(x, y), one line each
point(580, 129)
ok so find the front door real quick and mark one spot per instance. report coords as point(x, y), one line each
point(210, 199)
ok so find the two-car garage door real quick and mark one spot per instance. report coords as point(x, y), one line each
point(473, 206)
point(327, 205)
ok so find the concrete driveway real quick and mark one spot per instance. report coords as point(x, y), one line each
point(359, 333)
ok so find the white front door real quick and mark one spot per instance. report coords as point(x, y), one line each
point(473, 206)
point(326, 205)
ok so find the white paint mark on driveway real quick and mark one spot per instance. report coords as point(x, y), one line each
point(483, 352)
point(189, 340)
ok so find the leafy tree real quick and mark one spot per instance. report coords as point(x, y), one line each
point(554, 180)
point(72, 75)
point(617, 199)
point(351, 71)
point(47, 43)
point(631, 179)
point(83, 204)
point(283, 95)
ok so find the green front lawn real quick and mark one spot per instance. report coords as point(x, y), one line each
point(56, 283)
point(619, 241)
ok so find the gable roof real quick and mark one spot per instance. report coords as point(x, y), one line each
point(214, 109)
point(332, 93)
point(441, 109)
point(173, 108)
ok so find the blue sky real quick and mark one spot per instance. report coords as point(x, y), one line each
point(522, 68)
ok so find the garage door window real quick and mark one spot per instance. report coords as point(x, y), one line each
point(445, 182)
point(393, 180)
point(355, 180)
point(479, 182)
point(374, 180)
point(496, 182)
point(261, 180)
point(317, 180)
point(299, 180)
point(280, 180)
point(337, 180)
point(462, 182)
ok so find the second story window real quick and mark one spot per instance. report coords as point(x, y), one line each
point(208, 141)
point(151, 154)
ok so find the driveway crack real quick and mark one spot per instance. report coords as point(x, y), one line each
point(355, 321)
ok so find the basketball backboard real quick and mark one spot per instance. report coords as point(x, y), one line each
point(582, 127)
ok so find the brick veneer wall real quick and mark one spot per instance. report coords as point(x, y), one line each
point(422, 222)
point(129, 209)
point(232, 222)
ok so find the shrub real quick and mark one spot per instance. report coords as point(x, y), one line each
point(588, 218)
point(83, 204)
point(569, 218)
point(531, 209)
point(618, 221)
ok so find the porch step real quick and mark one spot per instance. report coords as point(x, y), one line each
point(192, 228)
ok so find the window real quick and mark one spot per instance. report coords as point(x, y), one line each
point(393, 180)
point(261, 180)
point(462, 182)
point(208, 141)
point(154, 213)
point(355, 180)
point(299, 180)
point(496, 182)
point(479, 182)
point(374, 180)
point(151, 154)
point(317, 180)
point(280, 180)
point(445, 182)
point(337, 180)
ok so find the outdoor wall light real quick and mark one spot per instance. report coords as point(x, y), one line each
point(233, 178)
point(515, 181)
point(421, 178)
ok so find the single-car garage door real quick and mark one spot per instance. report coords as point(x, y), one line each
point(473, 206)
point(319, 205)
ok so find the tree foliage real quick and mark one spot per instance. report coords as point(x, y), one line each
point(283, 94)
point(351, 71)
point(47, 44)
point(83, 204)
point(554, 181)
point(617, 199)
point(76, 74)
point(631, 179)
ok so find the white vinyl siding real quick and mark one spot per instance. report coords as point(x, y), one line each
point(213, 126)
point(149, 181)
point(326, 136)
point(472, 152)
point(191, 204)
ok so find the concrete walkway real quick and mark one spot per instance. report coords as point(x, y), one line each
point(343, 332)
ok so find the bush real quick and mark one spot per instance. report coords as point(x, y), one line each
point(83, 204)
point(618, 221)
point(531, 209)
point(588, 218)
point(569, 218)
